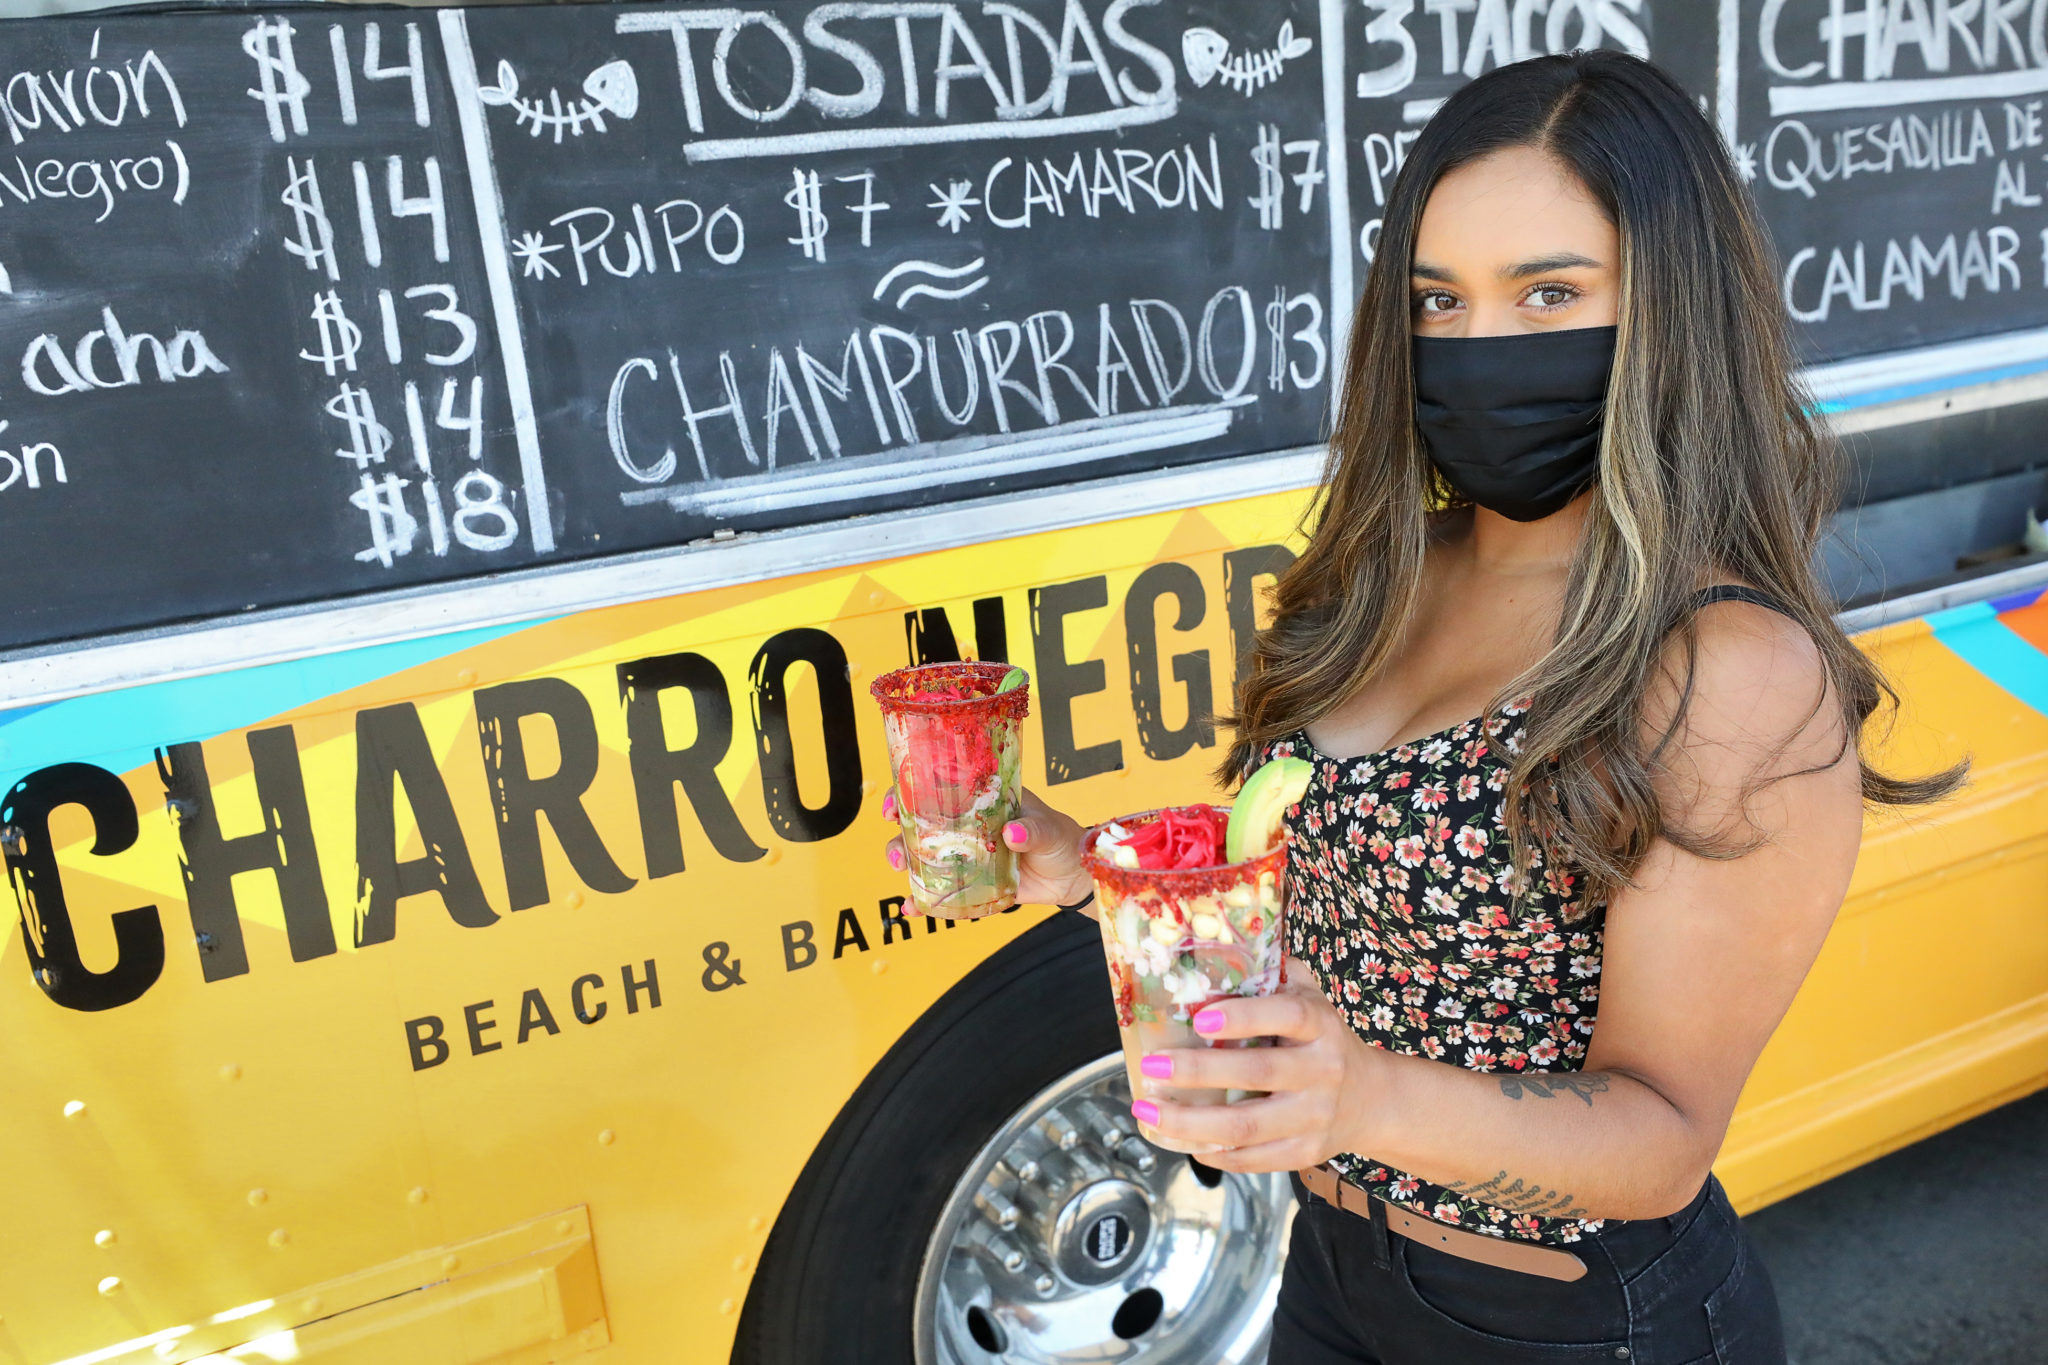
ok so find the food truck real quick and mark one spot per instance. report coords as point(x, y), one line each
point(460, 470)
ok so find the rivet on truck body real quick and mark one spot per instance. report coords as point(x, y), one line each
point(416, 1195)
point(74, 1109)
point(258, 1196)
point(450, 1263)
point(606, 1138)
point(103, 1238)
point(110, 1285)
point(279, 1237)
point(231, 1072)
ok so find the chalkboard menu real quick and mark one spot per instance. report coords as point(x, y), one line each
point(315, 301)
point(1899, 153)
point(309, 302)
point(1898, 150)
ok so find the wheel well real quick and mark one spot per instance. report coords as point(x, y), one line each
point(1061, 944)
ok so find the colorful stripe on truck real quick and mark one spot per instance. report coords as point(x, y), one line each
point(2005, 639)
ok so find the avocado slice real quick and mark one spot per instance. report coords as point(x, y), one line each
point(1261, 805)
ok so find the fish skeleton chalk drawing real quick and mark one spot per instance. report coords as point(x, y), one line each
point(611, 89)
point(1207, 56)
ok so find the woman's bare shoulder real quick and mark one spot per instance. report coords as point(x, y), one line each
point(1760, 706)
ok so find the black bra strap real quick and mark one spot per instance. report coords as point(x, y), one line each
point(1737, 592)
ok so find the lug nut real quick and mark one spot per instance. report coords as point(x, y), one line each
point(996, 1206)
point(1007, 1252)
point(1024, 1172)
point(1137, 1155)
point(1059, 1131)
point(1104, 1126)
point(1044, 1285)
point(1003, 1249)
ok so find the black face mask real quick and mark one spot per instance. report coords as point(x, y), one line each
point(1513, 422)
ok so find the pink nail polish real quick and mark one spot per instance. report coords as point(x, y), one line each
point(1015, 833)
point(1146, 1112)
point(896, 857)
point(889, 806)
point(1208, 1021)
point(1157, 1067)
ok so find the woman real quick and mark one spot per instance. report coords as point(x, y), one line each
point(1585, 741)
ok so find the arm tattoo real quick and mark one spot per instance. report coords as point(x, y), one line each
point(1517, 1197)
point(1546, 1087)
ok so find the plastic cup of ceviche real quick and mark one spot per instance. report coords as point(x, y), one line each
point(1182, 928)
point(956, 750)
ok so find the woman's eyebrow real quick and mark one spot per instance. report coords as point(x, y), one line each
point(1563, 260)
point(1423, 270)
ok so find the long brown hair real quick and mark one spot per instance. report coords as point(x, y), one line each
point(1709, 456)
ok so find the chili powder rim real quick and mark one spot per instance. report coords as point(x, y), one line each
point(1182, 883)
point(890, 689)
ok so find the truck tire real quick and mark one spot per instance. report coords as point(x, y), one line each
point(905, 1243)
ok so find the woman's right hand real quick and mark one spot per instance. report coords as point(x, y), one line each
point(1048, 843)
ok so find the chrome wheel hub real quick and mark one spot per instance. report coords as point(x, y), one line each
point(1069, 1239)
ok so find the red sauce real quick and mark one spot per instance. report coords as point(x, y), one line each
point(1176, 884)
point(948, 715)
point(960, 694)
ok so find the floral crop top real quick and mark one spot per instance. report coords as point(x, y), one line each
point(1399, 877)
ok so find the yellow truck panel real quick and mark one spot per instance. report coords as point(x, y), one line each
point(377, 1128)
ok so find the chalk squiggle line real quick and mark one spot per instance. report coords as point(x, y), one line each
point(929, 292)
point(944, 272)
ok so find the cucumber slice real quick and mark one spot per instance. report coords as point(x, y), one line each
point(1011, 749)
point(1012, 680)
point(1256, 814)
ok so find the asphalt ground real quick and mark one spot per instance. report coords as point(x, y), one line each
point(1934, 1255)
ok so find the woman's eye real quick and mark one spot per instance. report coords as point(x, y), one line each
point(1552, 295)
point(1435, 302)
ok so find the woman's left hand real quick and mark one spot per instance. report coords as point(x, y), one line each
point(1319, 1079)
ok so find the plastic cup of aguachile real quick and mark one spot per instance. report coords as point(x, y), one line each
point(1179, 939)
point(956, 750)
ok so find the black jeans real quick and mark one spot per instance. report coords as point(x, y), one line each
point(1683, 1290)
